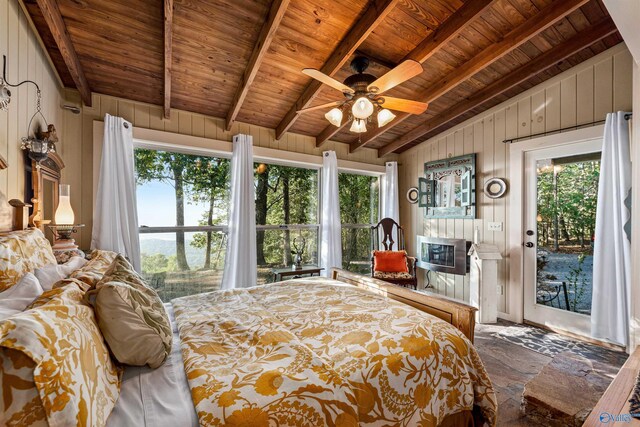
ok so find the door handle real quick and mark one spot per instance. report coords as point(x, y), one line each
point(529, 244)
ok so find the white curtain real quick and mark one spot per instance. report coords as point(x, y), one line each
point(330, 226)
point(115, 218)
point(612, 251)
point(389, 193)
point(240, 267)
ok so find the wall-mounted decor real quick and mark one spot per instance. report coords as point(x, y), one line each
point(495, 188)
point(38, 143)
point(413, 195)
point(5, 96)
point(448, 189)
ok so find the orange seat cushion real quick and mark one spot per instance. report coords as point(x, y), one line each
point(390, 261)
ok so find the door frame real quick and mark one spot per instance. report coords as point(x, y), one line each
point(515, 293)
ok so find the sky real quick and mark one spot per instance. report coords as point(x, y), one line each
point(156, 207)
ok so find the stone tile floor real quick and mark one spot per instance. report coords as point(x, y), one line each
point(511, 367)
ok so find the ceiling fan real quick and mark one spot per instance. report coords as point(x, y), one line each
point(363, 94)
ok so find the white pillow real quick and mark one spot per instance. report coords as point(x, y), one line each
point(19, 296)
point(51, 274)
point(72, 265)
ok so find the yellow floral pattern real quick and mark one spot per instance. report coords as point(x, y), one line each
point(57, 347)
point(392, 275)
point(319, 352)
point(93, 271)
point(20, 404)
point(22, 252)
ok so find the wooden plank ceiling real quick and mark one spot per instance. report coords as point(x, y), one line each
point(242, 59)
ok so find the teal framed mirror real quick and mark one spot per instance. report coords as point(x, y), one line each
point(448, 188)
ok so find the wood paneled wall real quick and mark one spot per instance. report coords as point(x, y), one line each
point(582, 94)
point(25, 60)
point(79, 134)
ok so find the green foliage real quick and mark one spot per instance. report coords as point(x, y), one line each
point(158, 263)
point(285, 195)
point(358, 196)
point(576, 281)
point(154, 263)
point(574, 203)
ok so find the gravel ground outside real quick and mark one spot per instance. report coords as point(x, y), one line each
point(560, 265)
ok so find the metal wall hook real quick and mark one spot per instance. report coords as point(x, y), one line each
point(4, 76)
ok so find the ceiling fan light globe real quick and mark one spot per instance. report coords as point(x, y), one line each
point(334, 116)
point(362, 108)
point(358, 126)
point(384, 117)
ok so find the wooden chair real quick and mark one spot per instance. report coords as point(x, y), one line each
point(384, 230)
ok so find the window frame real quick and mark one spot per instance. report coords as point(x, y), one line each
point(167, 141)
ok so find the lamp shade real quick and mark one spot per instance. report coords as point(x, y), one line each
point(362, 108)
point(334, 116)
point(384, 117)
point(64, 213)
point(358, 126)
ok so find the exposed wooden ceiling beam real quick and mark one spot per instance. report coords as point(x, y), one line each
point(267, 33)
point(431, 44)
point(373, 16)
point(168, 58)
point(537, 65)
point(53, 18)
point(544, 19)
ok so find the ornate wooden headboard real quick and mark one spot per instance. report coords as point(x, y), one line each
point(42, 188)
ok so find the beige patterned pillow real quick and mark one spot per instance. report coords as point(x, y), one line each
point(54, 363)
point(94, 270)
point(131, 317)
point(22, 252)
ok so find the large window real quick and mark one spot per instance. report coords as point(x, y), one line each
point(183, 206)
point(286, 214)
point(182, 211)
point(359, 200)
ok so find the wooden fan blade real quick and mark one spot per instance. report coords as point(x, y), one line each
point(319, 107)
point(404, 105)
point(403, 72)
point(329, 81)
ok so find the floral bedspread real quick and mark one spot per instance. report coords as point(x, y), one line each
point(320, 352)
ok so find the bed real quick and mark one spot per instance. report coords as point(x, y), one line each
point(349, 350)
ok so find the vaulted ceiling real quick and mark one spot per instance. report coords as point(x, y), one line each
point(242, 59)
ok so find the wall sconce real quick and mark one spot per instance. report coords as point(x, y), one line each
point(41, 143)
point(64, 221)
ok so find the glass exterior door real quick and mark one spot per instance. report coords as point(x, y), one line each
point(560, 215)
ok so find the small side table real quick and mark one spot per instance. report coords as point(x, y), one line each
point(280, 274)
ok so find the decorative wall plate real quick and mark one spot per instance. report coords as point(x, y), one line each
point(494, 188)
point(412, 195)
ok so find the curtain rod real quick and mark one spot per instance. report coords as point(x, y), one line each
point(627, 116)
